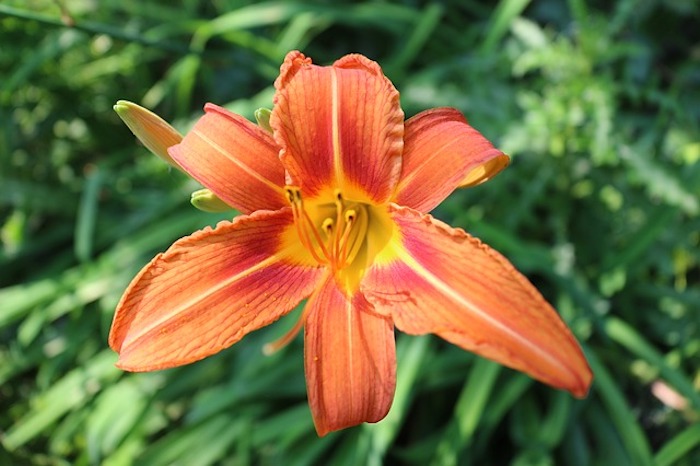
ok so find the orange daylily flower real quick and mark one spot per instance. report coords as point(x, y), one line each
point(333, 206)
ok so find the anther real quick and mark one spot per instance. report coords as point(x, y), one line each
point(290, 195)
point(327, 226)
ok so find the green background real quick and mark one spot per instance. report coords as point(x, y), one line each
point(597, 102)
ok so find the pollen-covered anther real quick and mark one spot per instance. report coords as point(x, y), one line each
point(327, 227)
point(289, 192)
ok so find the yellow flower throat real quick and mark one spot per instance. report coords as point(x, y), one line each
point(332, 233)
point(341, 234)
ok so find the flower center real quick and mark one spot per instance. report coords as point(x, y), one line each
point(332, 232)
point(346, 236)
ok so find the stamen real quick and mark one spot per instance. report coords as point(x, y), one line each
point(327, 226)
point(284, 340)
point(339, 206)
point(316, 236)
point(289, 192)
point(350, 216)
point(294, 197)
point(353, 237)
point(335, 240)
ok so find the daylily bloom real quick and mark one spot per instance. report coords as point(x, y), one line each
point(333, 205)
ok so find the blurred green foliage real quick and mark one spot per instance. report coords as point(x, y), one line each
point(599, 104)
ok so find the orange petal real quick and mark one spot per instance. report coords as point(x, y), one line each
point(449, 283)
point(350, 360)
point(237, 160)
point(338, 126)
point(293, 62)
point(441, 153)
point(207, 291)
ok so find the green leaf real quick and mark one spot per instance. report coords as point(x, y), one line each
point(636, 445)
point(676, 448)
point(627, 336)
point(72, 391)
point(500, 22)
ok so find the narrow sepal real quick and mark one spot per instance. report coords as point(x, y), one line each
point(234, 158)
point(441, 153)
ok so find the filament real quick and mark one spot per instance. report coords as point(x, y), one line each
point(334, 240)
point(284, 340)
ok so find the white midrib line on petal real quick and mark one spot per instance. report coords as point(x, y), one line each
point(335, 129)
point(240, 164)
point(448, 291)
point(350, 316)
point(174, 312)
